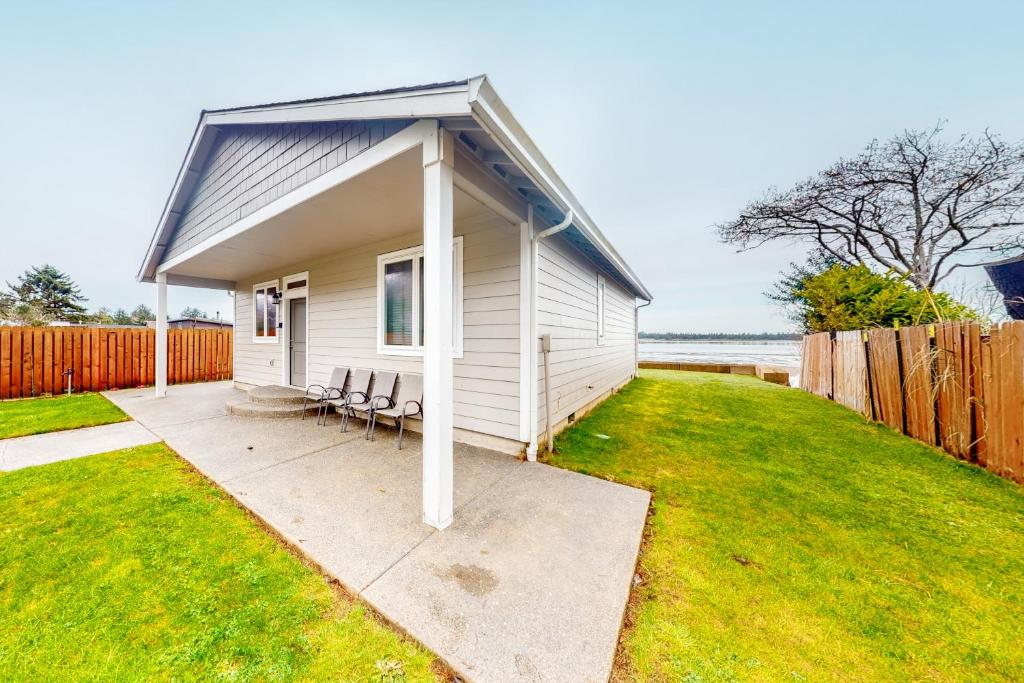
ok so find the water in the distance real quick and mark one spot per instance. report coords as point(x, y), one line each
point(784, 354)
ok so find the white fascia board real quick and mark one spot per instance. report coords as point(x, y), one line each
point(497, 120)
point(384, 150)
point(431, 103)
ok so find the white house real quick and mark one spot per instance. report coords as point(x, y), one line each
point(414, 229)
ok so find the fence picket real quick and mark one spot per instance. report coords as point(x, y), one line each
point(964, 392)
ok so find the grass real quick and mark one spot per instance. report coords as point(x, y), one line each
point(793, 540)
point(130, 566)
point(38, 415)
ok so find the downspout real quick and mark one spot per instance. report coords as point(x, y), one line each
point(555, 229)
point(636, 333)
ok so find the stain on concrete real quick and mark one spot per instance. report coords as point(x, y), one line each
point(526, 669)
point(454, 624)
point(473, 579)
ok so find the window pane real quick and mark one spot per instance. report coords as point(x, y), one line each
point(271, 313)
point(261, 309)
point(295, 284)
point(421, 302)
point(398, 303)
point(455, 303)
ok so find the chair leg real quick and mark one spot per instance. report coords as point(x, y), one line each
point(321, 414)
point(401, 430)
point(371, 422)
point(344, 419)
point(304, 399)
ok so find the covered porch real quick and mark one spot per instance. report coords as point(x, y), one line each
point(405, 193)
point(529, 583)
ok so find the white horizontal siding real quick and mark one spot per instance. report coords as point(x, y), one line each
point(254, 363)
point(342, 309)
point(581, 369)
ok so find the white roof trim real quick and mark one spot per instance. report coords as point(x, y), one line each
point(432, 103)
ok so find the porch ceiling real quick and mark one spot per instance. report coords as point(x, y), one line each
point(385, 201)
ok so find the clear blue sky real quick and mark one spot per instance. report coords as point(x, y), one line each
point(663, 118)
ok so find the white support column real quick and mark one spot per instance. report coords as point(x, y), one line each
point(525, 302)
point(438, 388)
point(531, 450)
point(161, 335)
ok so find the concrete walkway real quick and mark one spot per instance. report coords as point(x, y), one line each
point(528, 584)
point(40, 449)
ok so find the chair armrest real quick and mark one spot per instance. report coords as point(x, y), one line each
point(405, 408)
point(338, 393)
point(375, 402)
point(311, 387)
point(352, 394)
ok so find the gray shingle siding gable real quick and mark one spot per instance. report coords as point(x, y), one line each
point(250, 166)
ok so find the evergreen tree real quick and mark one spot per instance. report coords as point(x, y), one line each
point(102, 316)
point(142, 314)
point(122, 317)
point(53, 293)
point(825, 296)
point(192, 312)
point(7, 304)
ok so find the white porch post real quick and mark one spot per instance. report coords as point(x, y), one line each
point(438, 391)
point(531, 335)
point(161, 335)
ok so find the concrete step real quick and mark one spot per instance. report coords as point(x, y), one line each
point(276, 396)
point(270, 411)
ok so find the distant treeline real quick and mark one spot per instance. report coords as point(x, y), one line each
point(721, 336)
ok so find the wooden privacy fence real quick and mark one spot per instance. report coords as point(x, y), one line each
point(34, 360)
point(947, 385)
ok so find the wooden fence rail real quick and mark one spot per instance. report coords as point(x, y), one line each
point(946, 385)
point(34, 360)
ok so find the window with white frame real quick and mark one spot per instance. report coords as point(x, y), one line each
point(400, 301)
point(600, 308)
point(264, 328)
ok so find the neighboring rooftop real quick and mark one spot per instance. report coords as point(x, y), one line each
point(1008, 278)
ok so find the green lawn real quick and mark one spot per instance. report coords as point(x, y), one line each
point(793, 540)
point(37, 415)
point(129, 566)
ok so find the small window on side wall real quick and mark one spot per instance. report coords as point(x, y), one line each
point(600, 309)
point(264, 328)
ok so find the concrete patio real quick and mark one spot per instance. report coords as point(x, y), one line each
point(529, 583)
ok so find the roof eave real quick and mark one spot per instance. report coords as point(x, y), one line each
point(491, 113)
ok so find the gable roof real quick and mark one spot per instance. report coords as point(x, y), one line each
point(469, 108)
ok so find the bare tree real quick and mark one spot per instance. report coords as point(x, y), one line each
point(917, 204)
point(984, 299)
